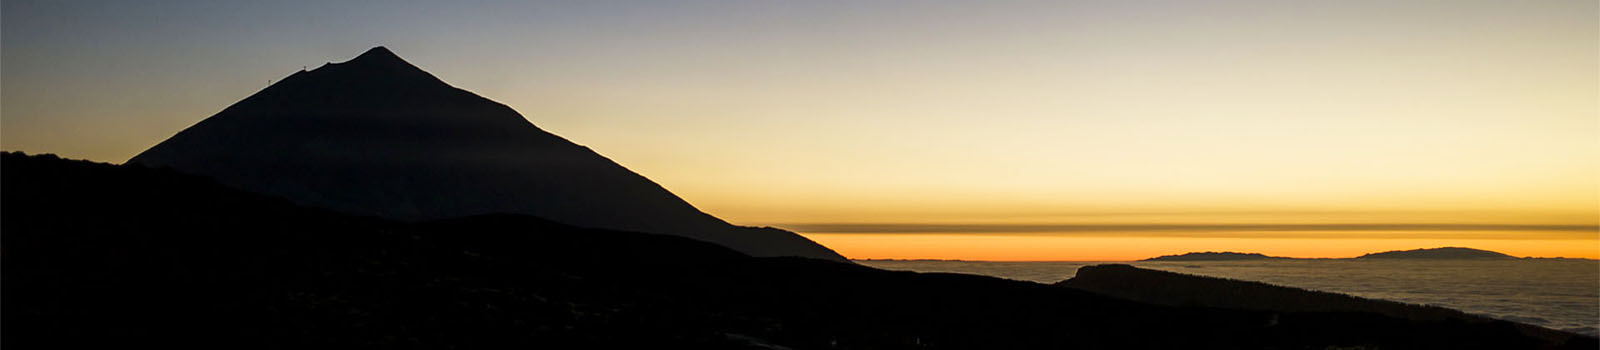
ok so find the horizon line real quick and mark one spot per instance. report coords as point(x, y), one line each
point(1069, 228)
point(1144, 260)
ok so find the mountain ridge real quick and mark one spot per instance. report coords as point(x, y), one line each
point(376, 135)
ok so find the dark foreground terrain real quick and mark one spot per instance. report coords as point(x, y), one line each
point(1176, 289)
point(97, 254)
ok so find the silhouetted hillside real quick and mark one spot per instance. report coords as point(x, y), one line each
point(1170, 288)
point(1212, 256)
point(378, 136)
point(1438, 253)
point(96, 255)
point(1175, 289)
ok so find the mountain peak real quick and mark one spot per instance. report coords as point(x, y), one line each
point(380, 58)
point(378, 54)
point(376, 64)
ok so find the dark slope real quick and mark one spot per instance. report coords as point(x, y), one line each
point(96, 254)
point(1175, 289)
point(1169, 288)
point(378, 136)
point(1438, 253)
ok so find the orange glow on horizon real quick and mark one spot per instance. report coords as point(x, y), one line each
point(991, 247)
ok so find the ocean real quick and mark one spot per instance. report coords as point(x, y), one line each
point(1554, 293)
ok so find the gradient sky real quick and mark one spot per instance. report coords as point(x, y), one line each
point(960, 113)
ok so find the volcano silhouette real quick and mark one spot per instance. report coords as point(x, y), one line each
point(379, 136)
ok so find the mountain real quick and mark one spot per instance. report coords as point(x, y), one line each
point(378, 136)
point(1438, 253)
point(97, 255)
point(1212, 256)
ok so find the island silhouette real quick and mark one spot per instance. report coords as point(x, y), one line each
point(368, 204)
point(1441, 253)
point(1438, 253)
point(1213, 256)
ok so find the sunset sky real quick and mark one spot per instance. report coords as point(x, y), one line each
point(996, 130)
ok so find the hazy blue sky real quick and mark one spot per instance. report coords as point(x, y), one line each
point(927, 111)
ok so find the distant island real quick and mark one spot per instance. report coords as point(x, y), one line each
point(1438, 253)
point(1213, 256)
point(1442, 253)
